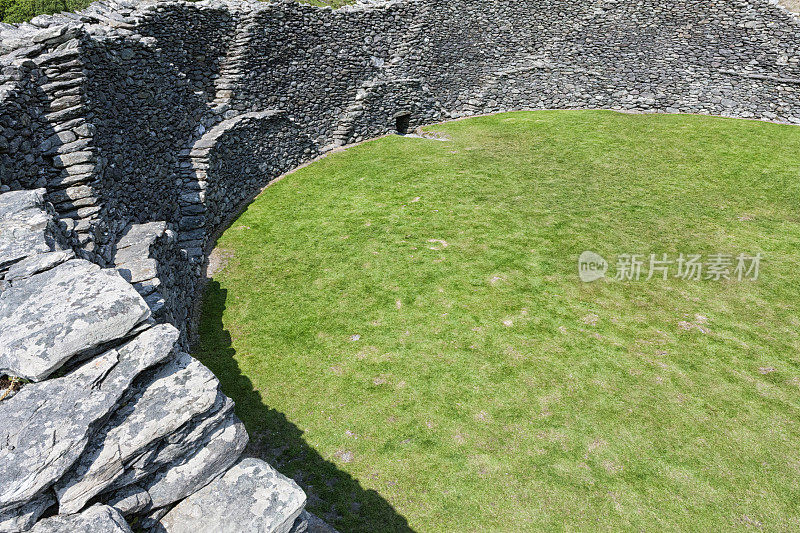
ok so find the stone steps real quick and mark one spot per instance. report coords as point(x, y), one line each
point(193, 160)
point(70, 147)
point(135, 264)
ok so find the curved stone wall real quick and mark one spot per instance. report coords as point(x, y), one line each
point(131, 132)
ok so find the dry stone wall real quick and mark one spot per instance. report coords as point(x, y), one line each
point(131, 132)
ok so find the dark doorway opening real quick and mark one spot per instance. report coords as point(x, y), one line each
point(401, 123)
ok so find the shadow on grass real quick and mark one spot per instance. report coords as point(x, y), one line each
point(333, 495)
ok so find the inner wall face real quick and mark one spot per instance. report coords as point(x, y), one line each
point(160, 96)
point(295, 81)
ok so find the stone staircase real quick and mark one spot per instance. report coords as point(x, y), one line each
point(193, 222)
point(135, 262)
point(232, 68)
point(70, 147)
point(360, 115)
point(193, 159)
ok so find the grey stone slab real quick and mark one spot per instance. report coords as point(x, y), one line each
point(129, 500)
point(181, 445)
point(213, 456)
point(177, 392)
point(26, 228)
point(137, 271)
point(141, 233)
point(53, 316)
point(96, 519)
point(47, 425)
point(14, 202)
point(23, 518)
point(71, 193)
point(251, 496)
point(35, 264)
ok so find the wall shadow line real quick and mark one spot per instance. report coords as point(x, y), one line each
point(333, 494)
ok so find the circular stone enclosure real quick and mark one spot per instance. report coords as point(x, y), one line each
point(404, 330)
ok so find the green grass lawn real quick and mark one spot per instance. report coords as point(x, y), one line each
point(404, 331)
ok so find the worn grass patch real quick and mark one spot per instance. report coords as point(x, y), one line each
point(404, 331)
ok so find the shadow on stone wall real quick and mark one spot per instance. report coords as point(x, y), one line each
point(333, 495)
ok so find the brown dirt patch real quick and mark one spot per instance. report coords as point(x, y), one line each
point(217, 260)
point(9, 387)
point(791, 5)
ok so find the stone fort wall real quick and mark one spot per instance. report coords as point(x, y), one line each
point(132, 131)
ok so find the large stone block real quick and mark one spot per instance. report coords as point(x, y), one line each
point(251, 496)
point(47, 425)
point(70, 310)
point(96, 519)
point(175, 394)
point(212, 456)
point(22, 518)
point(25, 227)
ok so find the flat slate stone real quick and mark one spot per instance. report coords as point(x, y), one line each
point(132, 499)
point(176, 393)
point(141, 234)
point(251, 496)
point(23, 518)
point(178, 448)
point(139, 270)
point(51, 317)
point(132, 258)
point(213, 456)
point(46, 425)
point(96, 519)
point(25, 226)
point(35, 264)
point(15, 202)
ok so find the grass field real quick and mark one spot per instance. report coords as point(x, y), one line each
point(404, 331)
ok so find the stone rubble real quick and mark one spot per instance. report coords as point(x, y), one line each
point(177, 392)
point(47, 425)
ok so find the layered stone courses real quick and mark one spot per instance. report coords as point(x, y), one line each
point(131, 133)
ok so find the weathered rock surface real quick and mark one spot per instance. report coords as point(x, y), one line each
point(175, 394)
point(23, 518)
point(96, 519)
point(46, 425)
point(141, 234)
point(178, 448)
point(130, 500)
point(251, 496)
point(35, 264)
point(56, 315)
point(310, 523)
point(25, 226)
point(212, 456)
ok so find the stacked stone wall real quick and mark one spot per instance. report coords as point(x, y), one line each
point(131, 133)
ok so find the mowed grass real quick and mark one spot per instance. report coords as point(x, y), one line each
point(404, 331)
